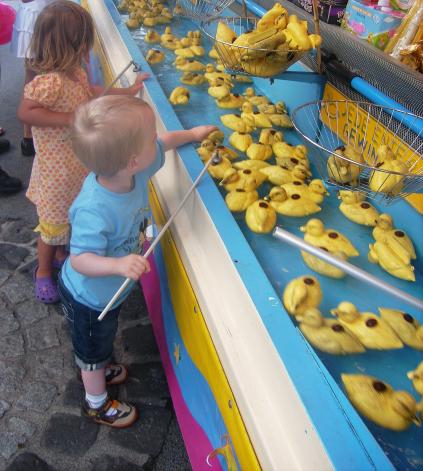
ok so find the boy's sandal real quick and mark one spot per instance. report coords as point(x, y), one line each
point(116, 374)
point(123, 416)
point(45, 289)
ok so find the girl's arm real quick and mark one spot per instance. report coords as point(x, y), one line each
point(92, 265)
point(132, 90)
point(174, 139)
point(32, 113)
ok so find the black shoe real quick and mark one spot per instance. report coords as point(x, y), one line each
point(4, 145)
point(27, 147)
point(8, 184)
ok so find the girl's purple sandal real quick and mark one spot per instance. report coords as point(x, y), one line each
point(45, 289)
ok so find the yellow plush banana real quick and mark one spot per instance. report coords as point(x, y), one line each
point(240, 140)
point(301, 294)
point(380, 403)
point(179, 96)
point(260, 217)
point(154, 56)
point(238, 200)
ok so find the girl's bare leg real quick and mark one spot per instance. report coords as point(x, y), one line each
point(45, 258)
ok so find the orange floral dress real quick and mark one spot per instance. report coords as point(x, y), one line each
point(57, 174)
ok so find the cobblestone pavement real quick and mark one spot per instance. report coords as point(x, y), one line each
point(41, 427)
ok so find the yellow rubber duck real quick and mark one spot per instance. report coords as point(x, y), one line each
point(179, 96)
point(278, 175)
point(238, 200)
point(196, 47)
point(302, 293)
point(217, 136)
point(343, 171)
point(380, 403)
point(405, 326)
point(383, 182)
point(372, 331)
point(356, 209)
point(213, 53)
point(290, 162)
point(132, 23)
point(260, 217)
point(260, 119)
point(212, 75)
point(247, 179)
point(273, 108)
point(165, 16)
point(233, 100)
point(322, 267)
point(282, 120)
point(254, 99)
point(178, 10)
point(184, 52)
point(188, 65)
point(259, 151)
point(315, 190)
point(192, 78)
point(328, 335)
point(240, 140)
point(217, 170)
point(416, 377)
point(397, 263)
point(294, 205)
point(152, 36)
point(167, 35)
point(206, 149)
point(316, 234)
point(297, 36)
point(276, 16)
point(219, 90)
point(226, 152)
point(236, 123)
point(396, 238)
point(172, 44)
point(154, 56)
point(270, 136)
point(283, 151)
point(250, 164)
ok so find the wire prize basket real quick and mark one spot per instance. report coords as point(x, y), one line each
point(198, 10)
point(364, 147)
point(248, 60)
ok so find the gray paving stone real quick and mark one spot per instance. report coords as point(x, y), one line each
point(18, 288)
point(16, 231)
point(11, 345)
point(49, 364)
point(4, 407)
point(10, 379)
point(173, 455)
point(134, 307)
point(147, 380)
point(37, 398)
point(9, 443)
point(113, 463)
point(31, 311)
point(139, 340)
point(12, 256)
point(28, 462)
point(69, 434)
point(8, 323)
point(21, 427)
point(147, 434)
point(42, 335)
point(4, 275)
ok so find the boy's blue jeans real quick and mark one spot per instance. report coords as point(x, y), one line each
point(92, 339)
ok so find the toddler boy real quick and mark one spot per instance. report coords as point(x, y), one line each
point(115, 138)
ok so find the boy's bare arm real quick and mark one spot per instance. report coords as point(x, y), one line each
point(174, 139)
point(32, 113)
point(89, 264)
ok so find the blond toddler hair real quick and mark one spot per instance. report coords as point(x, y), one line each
point(107, 132)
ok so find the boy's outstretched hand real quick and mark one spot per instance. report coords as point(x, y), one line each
point(201, 132)
point(132, 266)
point(138, 84)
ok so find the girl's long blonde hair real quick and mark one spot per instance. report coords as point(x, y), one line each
point(63, 35)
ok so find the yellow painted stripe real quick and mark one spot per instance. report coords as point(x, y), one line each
point(199, 344)
point(369, 128)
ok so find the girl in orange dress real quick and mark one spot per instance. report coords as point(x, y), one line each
point(63, 36)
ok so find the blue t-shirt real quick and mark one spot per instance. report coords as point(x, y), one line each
point(106, 224)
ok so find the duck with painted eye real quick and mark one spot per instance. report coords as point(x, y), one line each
point(270, 136)
point(380, 403)
point(240, 140)
point(355, 207)
point(247, 180)
point(236, 123)
point(259, 151)
point(302, 293)
point(192, 78)
point(328, 335)
point(260, 217)
point(188, 65)
point(260, 119)
point(295, 205)
point(341, 168)
point(254, 99)
point(372, 331)
point(315, 190)
point(408, 329)
point(233, 100)
point(154, 56)
point(396, 238)
point(239, 200)
point(283, 151)
point(278, 175)
point(383, 182)
point(152, 36)
point(179, 96)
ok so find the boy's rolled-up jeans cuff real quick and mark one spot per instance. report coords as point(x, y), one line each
point(91, 366)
